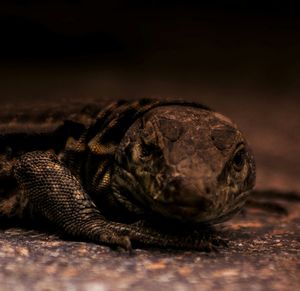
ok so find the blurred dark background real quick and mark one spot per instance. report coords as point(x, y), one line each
point(253, 43)
point(240, 57)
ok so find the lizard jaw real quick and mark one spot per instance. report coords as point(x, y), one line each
point(205, 211)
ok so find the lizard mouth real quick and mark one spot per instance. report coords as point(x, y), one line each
point(183, 202)
point(202, 211)
point(234, 209)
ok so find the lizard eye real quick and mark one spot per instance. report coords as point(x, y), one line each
point(147, 149)
point(239, 160)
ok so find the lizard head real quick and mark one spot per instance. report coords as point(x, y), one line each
point(185, 163)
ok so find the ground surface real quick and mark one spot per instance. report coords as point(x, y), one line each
point(263, 254)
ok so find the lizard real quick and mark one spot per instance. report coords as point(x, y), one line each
point(116, 174)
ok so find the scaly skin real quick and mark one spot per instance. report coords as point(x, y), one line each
point(151, 172)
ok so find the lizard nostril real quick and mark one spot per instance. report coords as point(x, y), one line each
point(186, 193)
point(172, 188)
point(207, 190)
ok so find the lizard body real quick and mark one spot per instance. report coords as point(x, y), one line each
point(111, 175)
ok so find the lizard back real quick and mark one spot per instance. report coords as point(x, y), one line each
point(45, 126)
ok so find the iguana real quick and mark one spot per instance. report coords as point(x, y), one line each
point(126, 173)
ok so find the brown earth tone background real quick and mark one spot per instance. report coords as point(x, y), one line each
point(241, 60)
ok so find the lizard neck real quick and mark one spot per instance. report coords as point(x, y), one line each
point(102, 139)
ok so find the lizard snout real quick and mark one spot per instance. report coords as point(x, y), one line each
point(186, 193)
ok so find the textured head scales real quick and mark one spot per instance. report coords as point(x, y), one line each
point(186, 163)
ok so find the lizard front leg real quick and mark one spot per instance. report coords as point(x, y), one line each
point(54, 192)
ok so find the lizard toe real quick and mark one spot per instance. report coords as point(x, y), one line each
point(122, 241)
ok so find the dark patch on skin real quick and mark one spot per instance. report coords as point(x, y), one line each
point(171, 129)
point(223, 136)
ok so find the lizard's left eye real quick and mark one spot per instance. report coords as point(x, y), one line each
point(239, 160)
point(147, 149)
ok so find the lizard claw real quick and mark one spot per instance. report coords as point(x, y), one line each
point(125, 243)
point(122, 241)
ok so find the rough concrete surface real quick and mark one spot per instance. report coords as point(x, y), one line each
point(263, 254)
